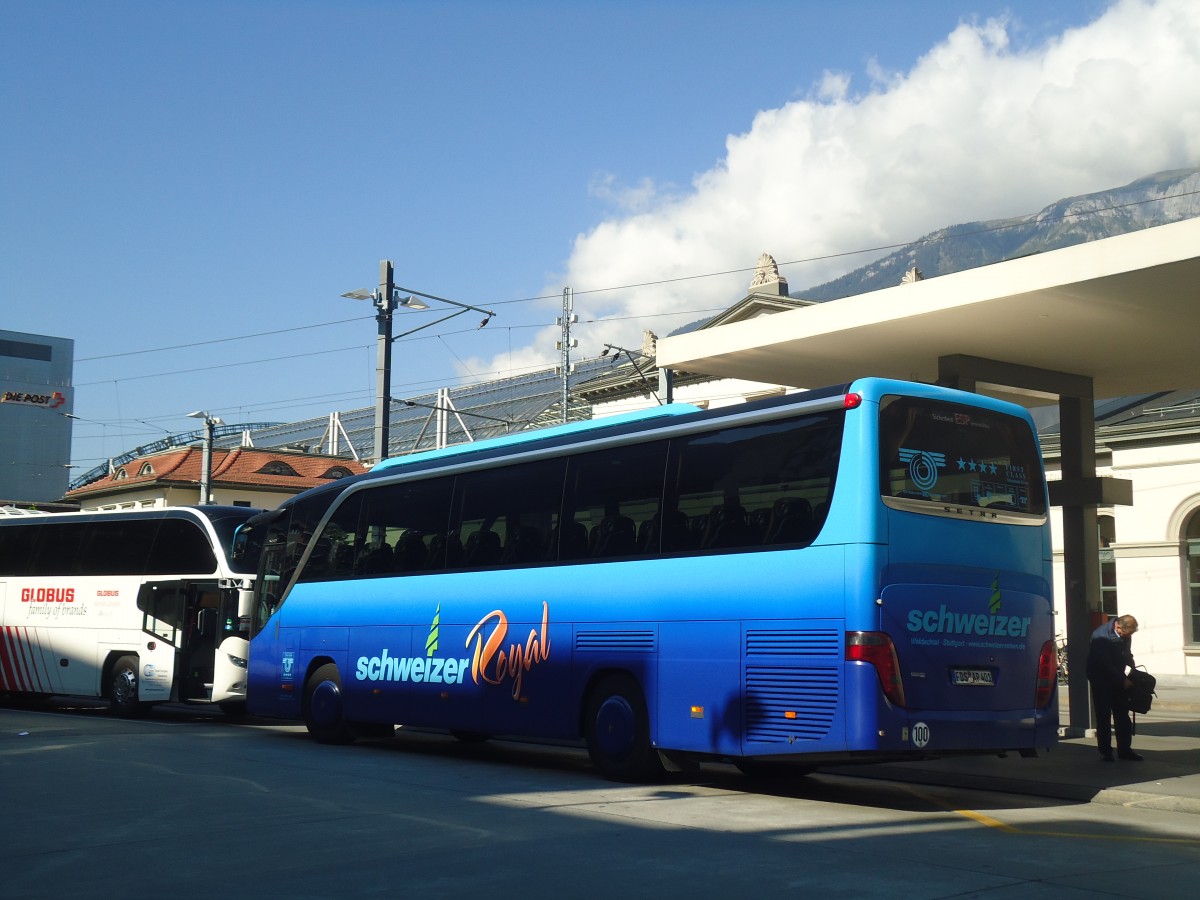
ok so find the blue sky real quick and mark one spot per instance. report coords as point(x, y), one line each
point(177, 174)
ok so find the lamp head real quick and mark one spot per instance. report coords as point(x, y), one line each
point(410, 302)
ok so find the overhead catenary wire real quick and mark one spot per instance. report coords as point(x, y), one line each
point(880, 248)
point(480, 377)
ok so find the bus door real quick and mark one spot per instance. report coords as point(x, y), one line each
point(184, 615)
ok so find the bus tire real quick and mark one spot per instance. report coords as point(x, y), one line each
point(123, 687)
point(323, 714)
point(617, 730)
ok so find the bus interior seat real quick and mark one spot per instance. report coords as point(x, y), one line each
point(791, 521)
point(410, 553)
point(482, 549)
point(445, 551)
point(669, 531)
point(525, 544)
point(726, 526)
point(760, 524)
point(616, 535)
point(376, 560)
point(571, 540)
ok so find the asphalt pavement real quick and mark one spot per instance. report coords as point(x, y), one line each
point(1168, 778)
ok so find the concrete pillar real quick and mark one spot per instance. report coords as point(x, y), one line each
point(1081, 552)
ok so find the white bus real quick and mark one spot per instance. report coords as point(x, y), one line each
point(137, 607)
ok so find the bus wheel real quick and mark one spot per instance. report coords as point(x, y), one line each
point(323, 707)
point(123, 687)
point(617, 730)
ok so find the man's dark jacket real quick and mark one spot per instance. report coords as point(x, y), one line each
point(1108, 656)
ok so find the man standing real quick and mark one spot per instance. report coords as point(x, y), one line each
point(1110, 656)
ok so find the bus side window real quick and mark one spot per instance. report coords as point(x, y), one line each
point(395, 534)
point(613, 502)
point(753, 486)
point(17, 548)
point(508, 516)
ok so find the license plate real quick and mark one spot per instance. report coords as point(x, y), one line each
point(978, 677)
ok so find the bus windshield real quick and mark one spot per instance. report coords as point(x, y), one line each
point(944, 453)
point(241, 547)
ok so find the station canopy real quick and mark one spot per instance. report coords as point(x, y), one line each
point(1123, 311)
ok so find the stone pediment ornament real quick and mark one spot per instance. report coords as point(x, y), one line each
point(767, 273)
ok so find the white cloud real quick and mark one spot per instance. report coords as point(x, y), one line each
point(974, 130)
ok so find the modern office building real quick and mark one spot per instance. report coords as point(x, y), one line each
point(36, 399)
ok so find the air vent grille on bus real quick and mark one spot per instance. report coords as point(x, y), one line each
point(826, 642)
point(616, 641)
point(789, 704)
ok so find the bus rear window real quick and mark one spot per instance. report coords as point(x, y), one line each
point(956, 455)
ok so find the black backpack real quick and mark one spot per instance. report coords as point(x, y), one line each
point(1141, 691)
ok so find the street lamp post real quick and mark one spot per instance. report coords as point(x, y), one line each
point(385, 305)
point(386, 299)
point(210, 422)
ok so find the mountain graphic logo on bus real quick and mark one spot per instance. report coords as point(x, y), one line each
point(494, 659)
point(427, 669)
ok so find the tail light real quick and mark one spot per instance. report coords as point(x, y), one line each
point(876, 648)
point(1047, 677)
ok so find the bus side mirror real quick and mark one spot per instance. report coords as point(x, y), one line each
point(245, 609)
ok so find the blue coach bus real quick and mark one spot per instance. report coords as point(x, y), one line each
point(858, 573)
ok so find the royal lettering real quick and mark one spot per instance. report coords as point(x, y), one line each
point(495, 665)
point(494, 659)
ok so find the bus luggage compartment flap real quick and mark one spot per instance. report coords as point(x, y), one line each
point(966, 647)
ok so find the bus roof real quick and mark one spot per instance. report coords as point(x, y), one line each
point(540, 434)
point(211, 512)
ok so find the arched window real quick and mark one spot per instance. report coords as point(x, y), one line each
point(275, 467)
point(337, 472)
point(1191, 536)
point(120, 474)
point(146, 469)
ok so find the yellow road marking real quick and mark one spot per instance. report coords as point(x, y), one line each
point(996, 824)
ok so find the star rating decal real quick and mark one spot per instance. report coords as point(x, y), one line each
point(971, 465)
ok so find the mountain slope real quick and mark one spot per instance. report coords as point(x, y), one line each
point(1157, 199)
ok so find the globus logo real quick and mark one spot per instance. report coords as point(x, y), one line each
point(47, 595)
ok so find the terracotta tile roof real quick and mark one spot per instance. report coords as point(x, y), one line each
point(242, 466)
